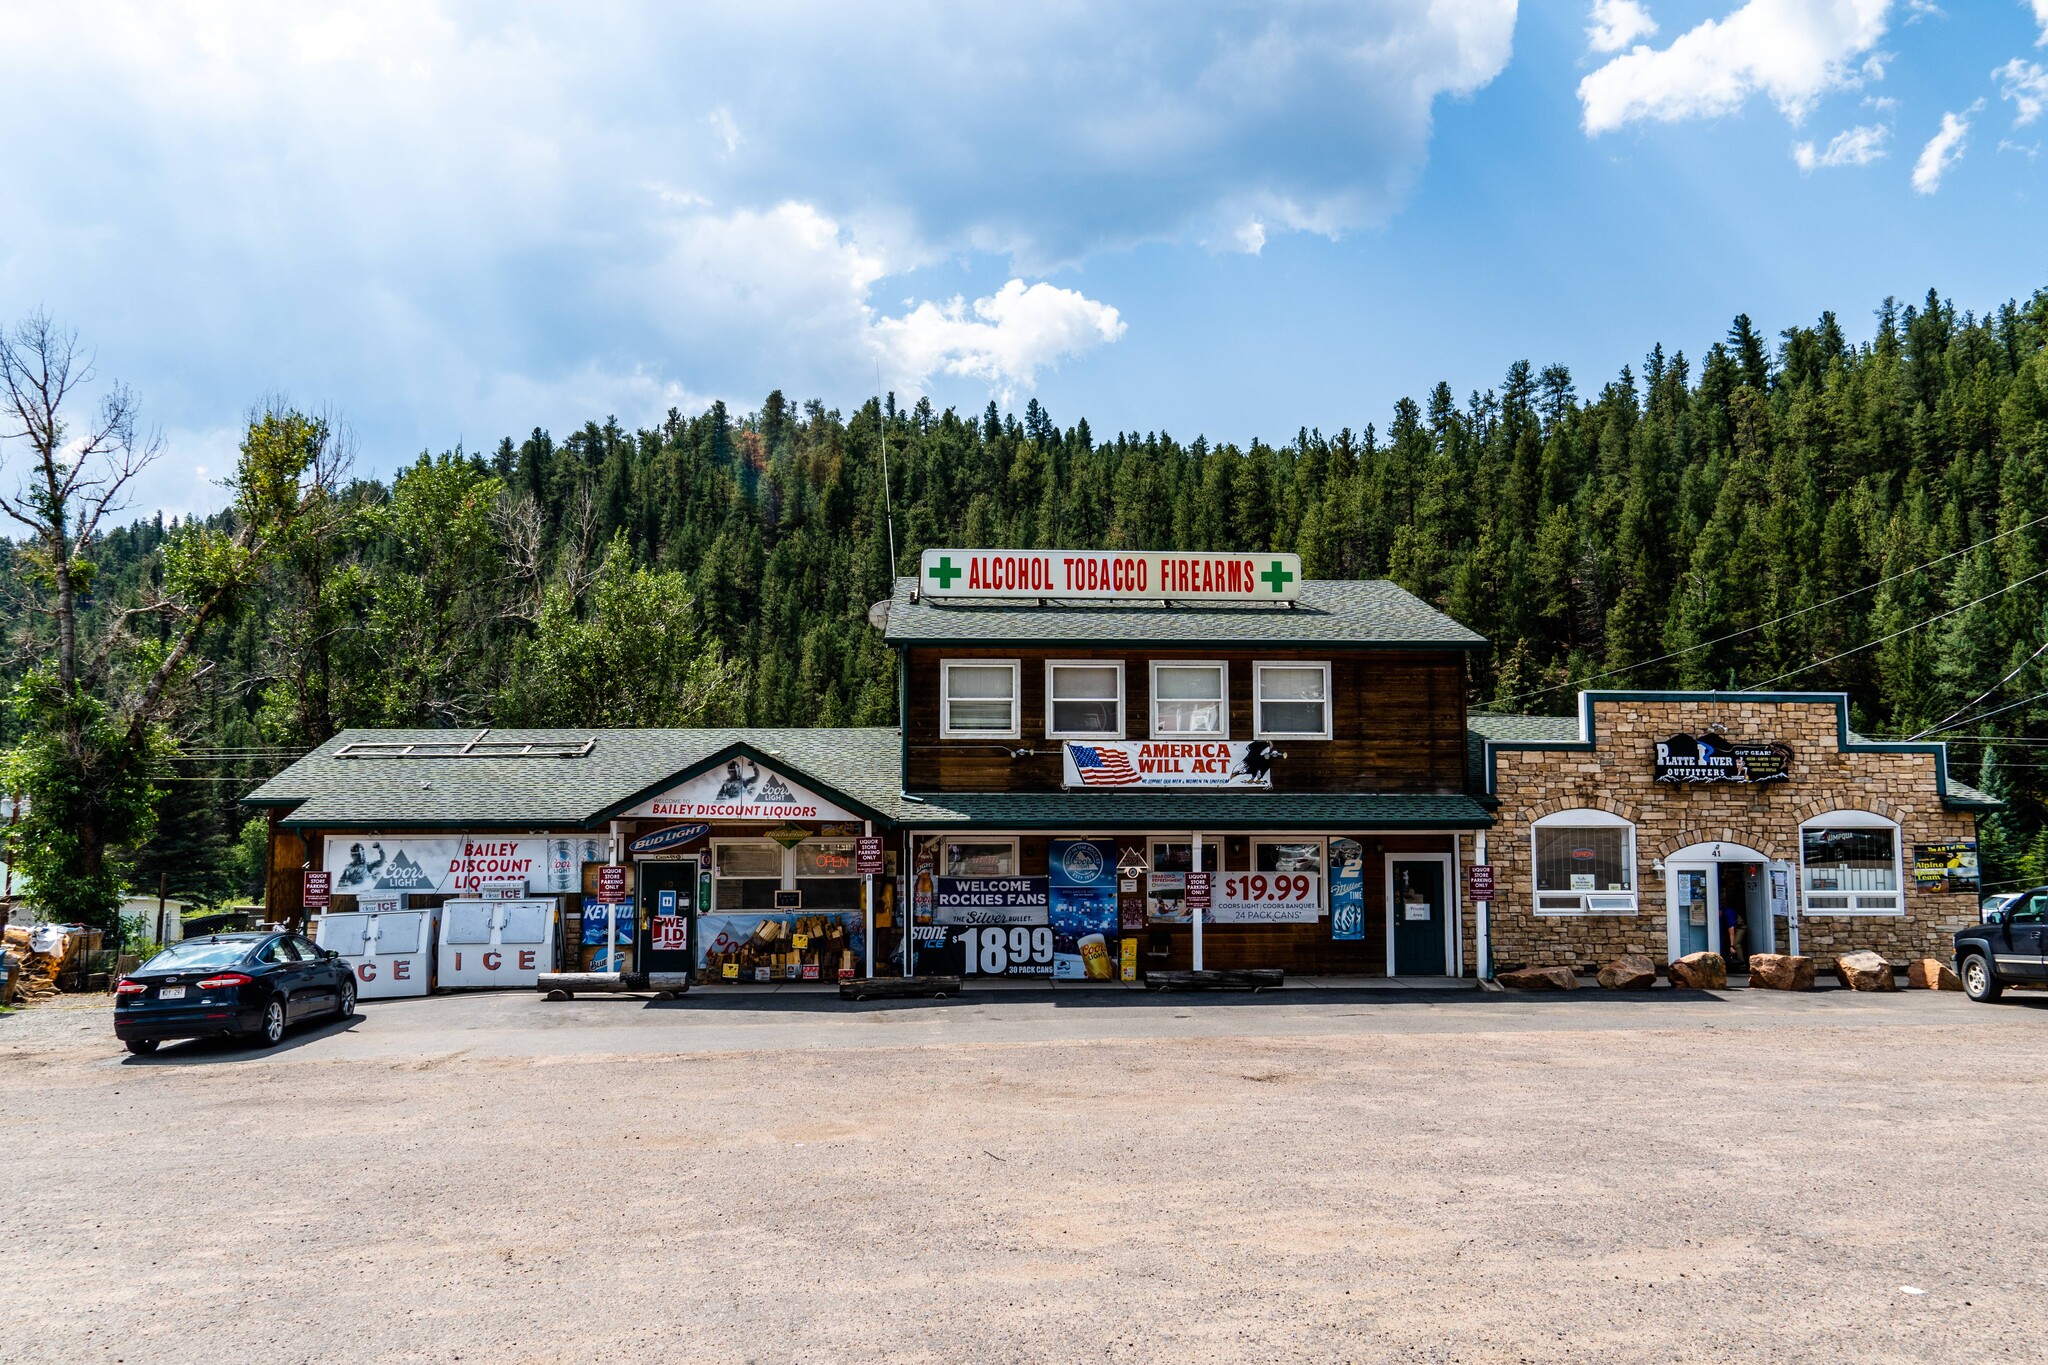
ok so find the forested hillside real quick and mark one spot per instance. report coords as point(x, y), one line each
point(1814, 511)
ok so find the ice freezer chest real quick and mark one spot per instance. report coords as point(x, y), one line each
point(391, 951)
point(496, 943)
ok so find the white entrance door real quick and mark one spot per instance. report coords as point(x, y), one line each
point(1695, 909)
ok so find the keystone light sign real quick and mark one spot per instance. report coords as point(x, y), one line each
point(1101, 575)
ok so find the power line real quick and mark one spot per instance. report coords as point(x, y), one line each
point(1981, 695)
point(2000, 711)
point(1908, 630)
point(1763, 625)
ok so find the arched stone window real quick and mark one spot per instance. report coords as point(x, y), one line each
point(1850, 864)
point(1585, 863)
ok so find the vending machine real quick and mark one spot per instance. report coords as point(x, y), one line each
point(485, 943)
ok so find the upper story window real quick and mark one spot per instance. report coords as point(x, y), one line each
point(1292, 701)
point(1849, 864)
point(1190, 700)
point(1084, 700)
point(978, 699)
point(1585, 864)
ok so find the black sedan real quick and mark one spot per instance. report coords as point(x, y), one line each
point(249, 984)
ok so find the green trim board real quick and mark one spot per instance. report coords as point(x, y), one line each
point(1955, 795)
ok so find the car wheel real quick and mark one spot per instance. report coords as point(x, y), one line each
point(1978, 981)
point(142, 1047)
point(273, 1022)
point(347, 1008)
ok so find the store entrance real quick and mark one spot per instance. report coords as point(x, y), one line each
point(1720, 903)
point(1418, 914)
point(668, 907)
point(1745, 913)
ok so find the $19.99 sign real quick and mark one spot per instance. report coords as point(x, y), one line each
point(1267, 898)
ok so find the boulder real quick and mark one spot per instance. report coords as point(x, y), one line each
point(1700, 972)
point(1932, 974)
point(1629, 972)
point(1540, 979)
point(1780, 972)
point(1865, 972)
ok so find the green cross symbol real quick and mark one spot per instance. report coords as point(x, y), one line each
point(946, 573)
point(1277, 576)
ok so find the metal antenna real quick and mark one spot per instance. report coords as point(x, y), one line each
point(888, 502)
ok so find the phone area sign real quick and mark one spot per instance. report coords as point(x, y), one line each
point(1103, 575)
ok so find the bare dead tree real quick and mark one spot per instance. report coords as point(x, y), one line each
point(523, 527)
point(71, 483)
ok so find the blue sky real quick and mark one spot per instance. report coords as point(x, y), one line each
point(453, 222)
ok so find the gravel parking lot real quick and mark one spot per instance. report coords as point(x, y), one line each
point(1299, 1177)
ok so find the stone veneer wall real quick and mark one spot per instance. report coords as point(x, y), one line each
point(1617, 777)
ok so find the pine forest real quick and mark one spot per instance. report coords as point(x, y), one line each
point(1857, 507)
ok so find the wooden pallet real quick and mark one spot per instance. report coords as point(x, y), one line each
point(899, 987)
point(1251, 979)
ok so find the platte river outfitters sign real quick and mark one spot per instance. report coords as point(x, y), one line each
point(1100, 575)
point(1168, 763)
point(1711, 758)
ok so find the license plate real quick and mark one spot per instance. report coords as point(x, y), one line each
point(170, 993)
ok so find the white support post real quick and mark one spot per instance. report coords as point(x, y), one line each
point(1484, 911)
point(611, 908)
point(867, 907)
point(1199, 915)
point(1457, 889)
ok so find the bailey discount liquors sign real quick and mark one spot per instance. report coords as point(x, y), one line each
point(1104, 575)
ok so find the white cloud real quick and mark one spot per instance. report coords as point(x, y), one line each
point(1916, 10)
point(1617, 23)
point(1858, 146)
point(2041, 18)
point(438, 214)
point(1943, 150)
point(2026, 85)
point(1004, 341)
point(1792, 51)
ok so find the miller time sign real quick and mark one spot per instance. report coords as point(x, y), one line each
point(1110, 575)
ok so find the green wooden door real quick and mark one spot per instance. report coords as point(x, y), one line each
point(1420, 909)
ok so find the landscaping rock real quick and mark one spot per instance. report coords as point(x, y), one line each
point(1865, 972)
point(1700, 972)
point(1540, 979)
point(1932, 974)
point(1780, 972)
point(1630, 972)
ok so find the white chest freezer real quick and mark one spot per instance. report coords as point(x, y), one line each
point(496, 943)
point(391, 950)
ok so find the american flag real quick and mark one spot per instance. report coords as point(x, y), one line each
point(1103, 767)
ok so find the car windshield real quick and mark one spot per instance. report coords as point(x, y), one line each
point(197, 953)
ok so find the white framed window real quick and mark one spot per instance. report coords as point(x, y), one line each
point(978, 858)
point(1303, 854)
point(1084, 699)
point(745, 873)
point(1585, 862)
point(978, 699)
point(824, 873)
point(1190, 700)
point(1290, 701)
point(1849, 864)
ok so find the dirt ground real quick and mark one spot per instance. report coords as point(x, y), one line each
point(1337, 1178)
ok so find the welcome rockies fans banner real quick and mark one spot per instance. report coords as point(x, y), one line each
point(1168, 763)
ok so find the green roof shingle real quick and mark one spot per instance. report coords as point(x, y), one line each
point(1364, 613)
